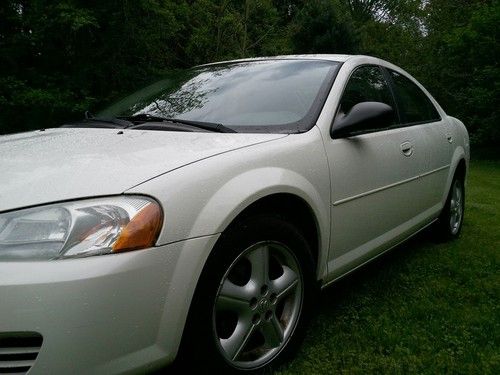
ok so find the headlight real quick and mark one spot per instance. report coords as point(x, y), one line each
point(80, 229)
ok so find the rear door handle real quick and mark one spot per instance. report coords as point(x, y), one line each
point(407, 148)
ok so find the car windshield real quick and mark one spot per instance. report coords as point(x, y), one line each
point(261, 96)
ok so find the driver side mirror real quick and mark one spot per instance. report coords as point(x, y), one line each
point(364, 115)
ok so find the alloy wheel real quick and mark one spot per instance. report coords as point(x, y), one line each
point(456, 207)
point(258, 305)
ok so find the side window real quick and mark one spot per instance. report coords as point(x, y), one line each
point(414, 105)
point(367, 84)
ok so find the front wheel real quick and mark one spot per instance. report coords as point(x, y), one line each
point(254, 298)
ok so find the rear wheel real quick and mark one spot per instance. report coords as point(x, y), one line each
point(450, 221)
point(253, 299)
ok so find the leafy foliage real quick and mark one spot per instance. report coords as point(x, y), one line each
point(469, 80)
point(322, 27)
point(60, 58)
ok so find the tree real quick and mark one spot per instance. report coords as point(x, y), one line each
point(324, 26)
point(464, 45)
point(230, 29)
point(60, 58)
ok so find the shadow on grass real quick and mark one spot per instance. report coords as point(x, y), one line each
point(385, 266)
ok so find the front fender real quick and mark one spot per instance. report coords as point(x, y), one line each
point(248, 187)
point(203, 198)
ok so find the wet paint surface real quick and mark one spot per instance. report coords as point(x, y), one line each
point(60, 164)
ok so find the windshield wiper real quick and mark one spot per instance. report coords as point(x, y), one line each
point(98, 122)
point(211, 126)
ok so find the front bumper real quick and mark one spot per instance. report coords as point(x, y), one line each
point(103, 315)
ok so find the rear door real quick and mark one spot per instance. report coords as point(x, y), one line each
point(417, 111)
point(374, 178)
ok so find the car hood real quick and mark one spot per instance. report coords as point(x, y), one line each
point(60, 164)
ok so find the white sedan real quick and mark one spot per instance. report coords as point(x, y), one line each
point(197, 218)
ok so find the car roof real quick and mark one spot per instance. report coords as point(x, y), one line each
point(328, 57)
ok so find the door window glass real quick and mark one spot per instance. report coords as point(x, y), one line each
point(367, 84)
point(414, 105)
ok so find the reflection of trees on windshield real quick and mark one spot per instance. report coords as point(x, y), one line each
point(171, 104)
point(193, 94)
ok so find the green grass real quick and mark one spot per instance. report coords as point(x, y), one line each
point(424, 308)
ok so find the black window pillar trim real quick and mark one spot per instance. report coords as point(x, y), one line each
point(392, 89)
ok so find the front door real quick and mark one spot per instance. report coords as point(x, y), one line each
point(374, 178)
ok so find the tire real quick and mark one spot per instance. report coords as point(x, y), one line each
point(249, 315)
point(449, 224)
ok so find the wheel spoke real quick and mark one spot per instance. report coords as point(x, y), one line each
point(235, 344)
point(285, 283)
point(459, 201)
point(259, 259)
point(272, 332)
point(233, 297)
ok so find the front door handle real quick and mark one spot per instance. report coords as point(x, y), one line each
point(407, 148)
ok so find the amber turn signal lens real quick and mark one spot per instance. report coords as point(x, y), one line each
point(142, 231)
